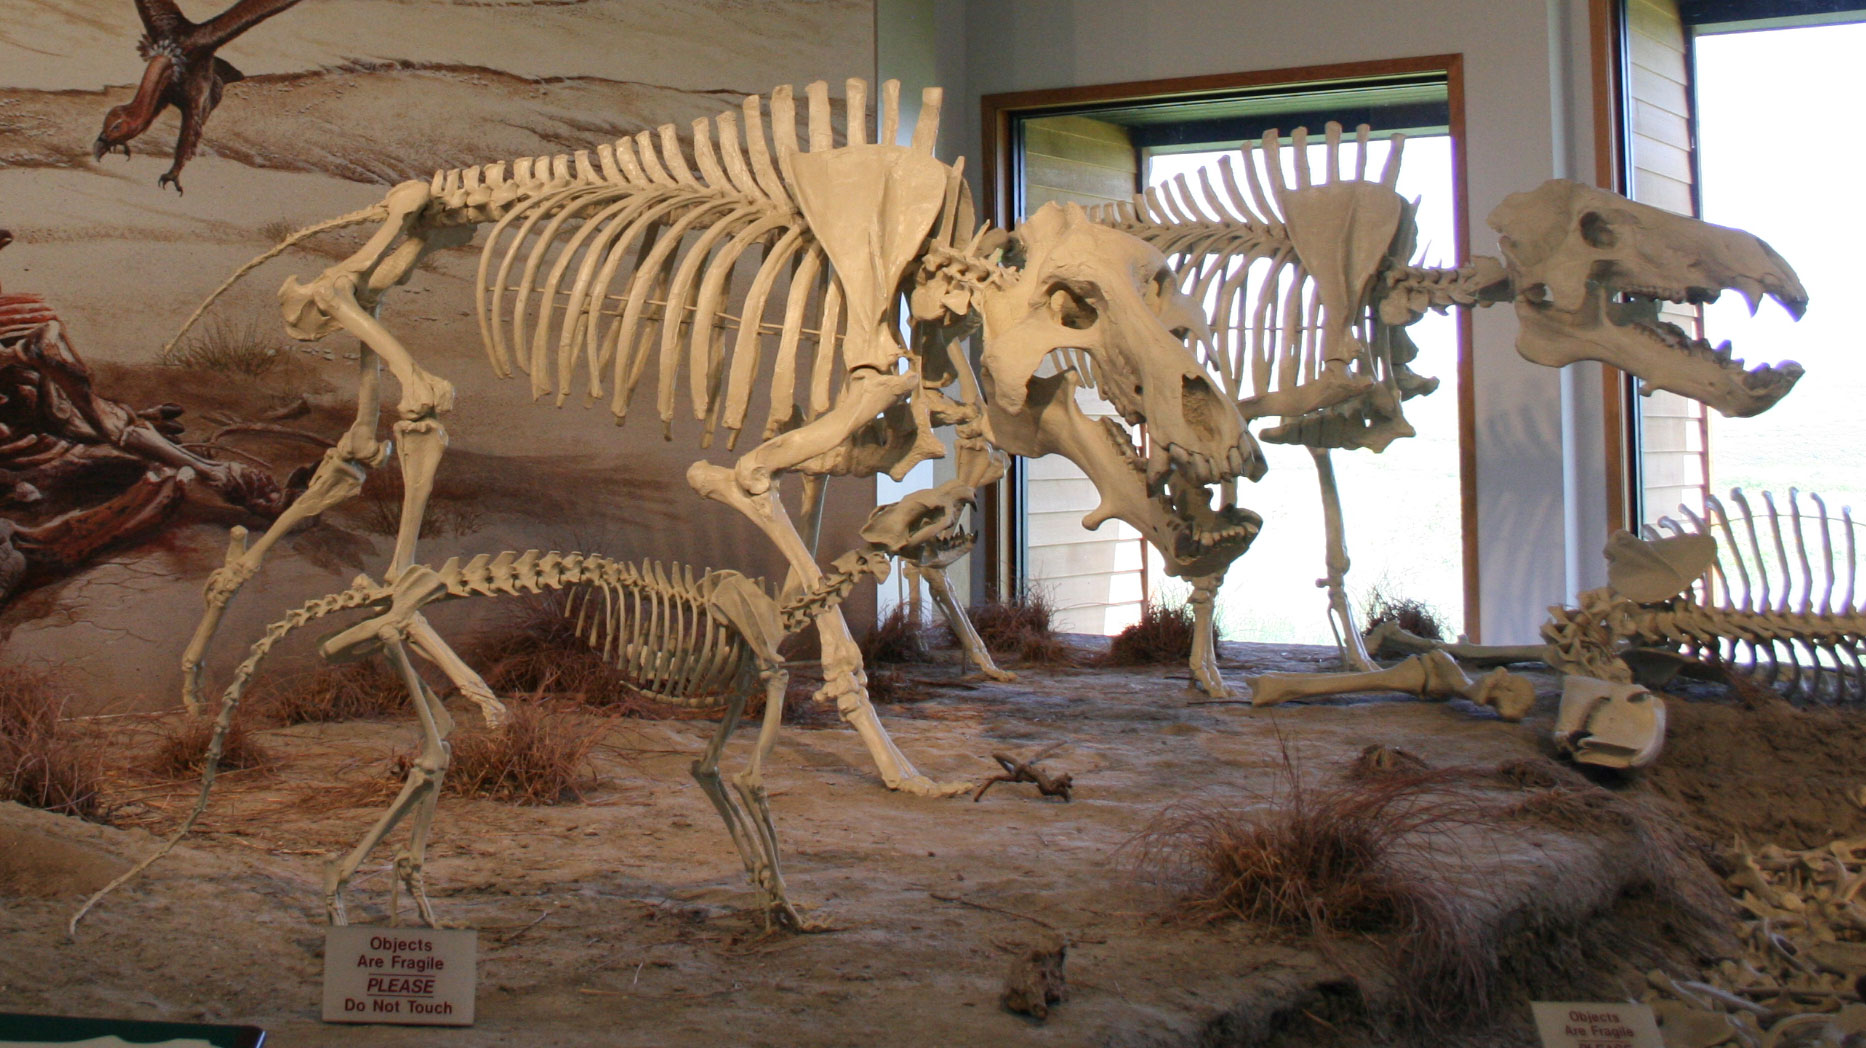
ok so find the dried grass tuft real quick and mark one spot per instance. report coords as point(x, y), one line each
point(538, 756)
point(534, 648)
point(249, 348)
point(1576, 809)
point(1162, 636)
point(347, 691)
point(893, 688)
point(899, 637)
point(277, 230)
point(801, 710)
point(1021, 626)
point(1414, 616)
point(181, 750)
point(1355, 857)
point(42, 764)
point(451, 509)
point(1539, 773)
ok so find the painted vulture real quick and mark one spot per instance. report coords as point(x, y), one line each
point(183, 72)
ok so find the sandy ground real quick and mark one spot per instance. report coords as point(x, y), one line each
point(625, 919)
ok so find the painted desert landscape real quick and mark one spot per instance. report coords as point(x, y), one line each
point(340, 99)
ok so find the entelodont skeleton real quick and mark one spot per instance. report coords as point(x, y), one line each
point(1308, 283)
point(707, 642)
point(625, 261)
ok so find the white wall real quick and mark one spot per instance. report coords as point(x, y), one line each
point(1528, 117)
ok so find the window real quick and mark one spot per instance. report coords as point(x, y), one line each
point(1403, 507)
point(1725, 119)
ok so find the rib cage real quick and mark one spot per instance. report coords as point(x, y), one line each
point(630, 256)
point(1772, 598)
point(1233, 250)
point(655, 624)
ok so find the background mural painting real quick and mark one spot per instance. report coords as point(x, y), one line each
point(120, 475)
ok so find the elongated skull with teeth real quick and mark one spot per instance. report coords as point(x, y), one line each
point(1101, 310)
point(1591, 270)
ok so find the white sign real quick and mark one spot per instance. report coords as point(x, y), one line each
point(410, 976)
point(1617, 1025)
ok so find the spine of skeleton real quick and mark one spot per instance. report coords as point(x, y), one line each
point(1770, 598)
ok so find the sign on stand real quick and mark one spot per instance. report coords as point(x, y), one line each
point(1610, 1025)
point(409, 976)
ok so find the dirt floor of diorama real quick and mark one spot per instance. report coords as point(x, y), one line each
point(625, 918)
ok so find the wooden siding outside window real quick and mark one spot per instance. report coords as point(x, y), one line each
point(1095, 579)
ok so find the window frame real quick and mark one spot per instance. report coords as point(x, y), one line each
point(1000, 154)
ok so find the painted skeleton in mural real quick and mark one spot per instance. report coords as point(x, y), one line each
point(768, 266)
point(1310, 291)
point(81, 472)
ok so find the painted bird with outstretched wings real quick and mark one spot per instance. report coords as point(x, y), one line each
point(183, 72)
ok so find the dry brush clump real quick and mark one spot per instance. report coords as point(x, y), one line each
point(1367, 856)
point(801, 708)
point(900, 637)
point(43, 764)
point(1377, 761)
point(452, 508)
point(1414, 616)
point(538, 756)
point(346, 691)
point(181, 749)
point(1021, 626)
point(1163, 635)
point(248, 348)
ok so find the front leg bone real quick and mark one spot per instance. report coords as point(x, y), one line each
point(338, 477)
point(939, 587)
point(1433, 675)
point(747, 488)
point(1204, 661)
point(1340, 614)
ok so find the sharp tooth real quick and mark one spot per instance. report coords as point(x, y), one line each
point(1158, 464)
point(1751, 290)
point(1723, 352)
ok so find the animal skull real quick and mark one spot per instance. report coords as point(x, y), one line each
point(1083, 290)
point(1591, 268)
point(1609, 724)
